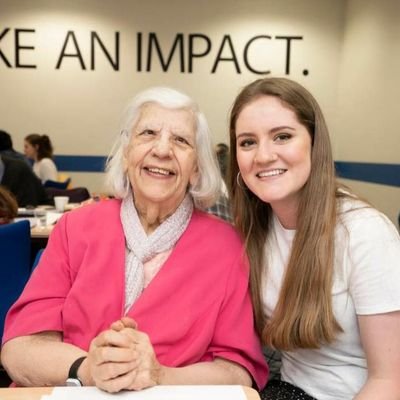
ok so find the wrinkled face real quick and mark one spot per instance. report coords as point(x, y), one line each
point(161, 156)
point(29, 150)
point(273, 151)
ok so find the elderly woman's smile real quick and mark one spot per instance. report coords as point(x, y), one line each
point(161, 160)
point(159, 171)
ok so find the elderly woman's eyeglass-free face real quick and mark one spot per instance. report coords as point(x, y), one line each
point(161, 156)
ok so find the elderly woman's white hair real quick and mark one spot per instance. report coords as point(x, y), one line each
point(208, 186)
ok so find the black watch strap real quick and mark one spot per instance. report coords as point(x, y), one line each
point(73, 371)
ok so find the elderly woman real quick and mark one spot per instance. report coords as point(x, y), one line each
point(144, 289)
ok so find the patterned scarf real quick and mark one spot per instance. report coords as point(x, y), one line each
point(141, 248)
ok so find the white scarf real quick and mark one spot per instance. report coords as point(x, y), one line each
point(141, 248)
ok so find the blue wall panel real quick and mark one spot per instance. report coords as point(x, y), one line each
point(385, 174)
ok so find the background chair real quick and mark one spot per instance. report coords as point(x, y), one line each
point(76, 195)
point(15, 247)
point(37, 259)
point(56, 184)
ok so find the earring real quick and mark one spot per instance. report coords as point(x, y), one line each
point(238, 181)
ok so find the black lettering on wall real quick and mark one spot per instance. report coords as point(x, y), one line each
point(77, 53)
point(2, 56)
point(139, 52)
point(178, 42)
point(94, 37)
point(289, 39)
point(192, 54)
point(226, 39)
point(198, 45)
point(246, 51)
point(19, 47)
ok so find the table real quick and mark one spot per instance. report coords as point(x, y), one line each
point(36, 393)
point(42, 232)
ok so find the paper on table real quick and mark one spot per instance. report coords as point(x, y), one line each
point(25, 211)
point(53, 217)
point(200, 392)
point(32, 221)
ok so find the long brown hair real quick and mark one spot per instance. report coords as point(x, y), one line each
point(8, 206)
point(42, 144)
point(303, 316)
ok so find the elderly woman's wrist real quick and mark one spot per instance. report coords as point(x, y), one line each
point(84, 374)
point(161, 376)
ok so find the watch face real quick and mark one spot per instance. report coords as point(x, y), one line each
point(73, 382)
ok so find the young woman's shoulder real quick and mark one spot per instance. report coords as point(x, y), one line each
point(46, 161)
point(359, 217)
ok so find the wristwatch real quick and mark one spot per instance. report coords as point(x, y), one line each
point(73, 379)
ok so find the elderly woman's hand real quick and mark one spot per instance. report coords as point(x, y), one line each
point(124, 322)
point(112, 360)
point(148, 370)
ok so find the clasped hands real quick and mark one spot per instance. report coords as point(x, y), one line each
point(122, 357)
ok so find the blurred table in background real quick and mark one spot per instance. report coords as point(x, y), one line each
point(40, 234)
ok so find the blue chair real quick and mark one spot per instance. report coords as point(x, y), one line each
point(76, 195)
point(58, 185)
point(37, 259)
point(15, 248)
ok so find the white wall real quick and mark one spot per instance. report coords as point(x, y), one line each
point(80, 109)
point(368, 107)
point(348, 48)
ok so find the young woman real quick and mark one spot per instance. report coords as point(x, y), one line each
point(325, 266)
point(39, 149)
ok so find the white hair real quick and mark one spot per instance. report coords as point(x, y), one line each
point(208, 186)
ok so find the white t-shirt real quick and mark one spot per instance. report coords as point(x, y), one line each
point(366, 281)
point(45, 169)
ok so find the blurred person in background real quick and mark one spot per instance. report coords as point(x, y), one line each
point(21, 181)
point(222, 208)
point(39, 149)
point(8, 206)
point(6, 148)
point(222, 152)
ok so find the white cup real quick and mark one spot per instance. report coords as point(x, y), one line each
point(60, 202)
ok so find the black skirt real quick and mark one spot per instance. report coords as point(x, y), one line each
point(280, 390)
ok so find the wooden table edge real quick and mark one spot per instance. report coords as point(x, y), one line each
point(35, 393)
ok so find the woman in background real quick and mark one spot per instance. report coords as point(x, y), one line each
point(39, 149)
point(325, 272)
point(8, 206)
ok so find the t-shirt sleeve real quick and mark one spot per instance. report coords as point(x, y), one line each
point(39, 308)
point(234, 337)
point(374, 255)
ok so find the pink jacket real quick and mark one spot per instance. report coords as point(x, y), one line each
point(195, 309)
